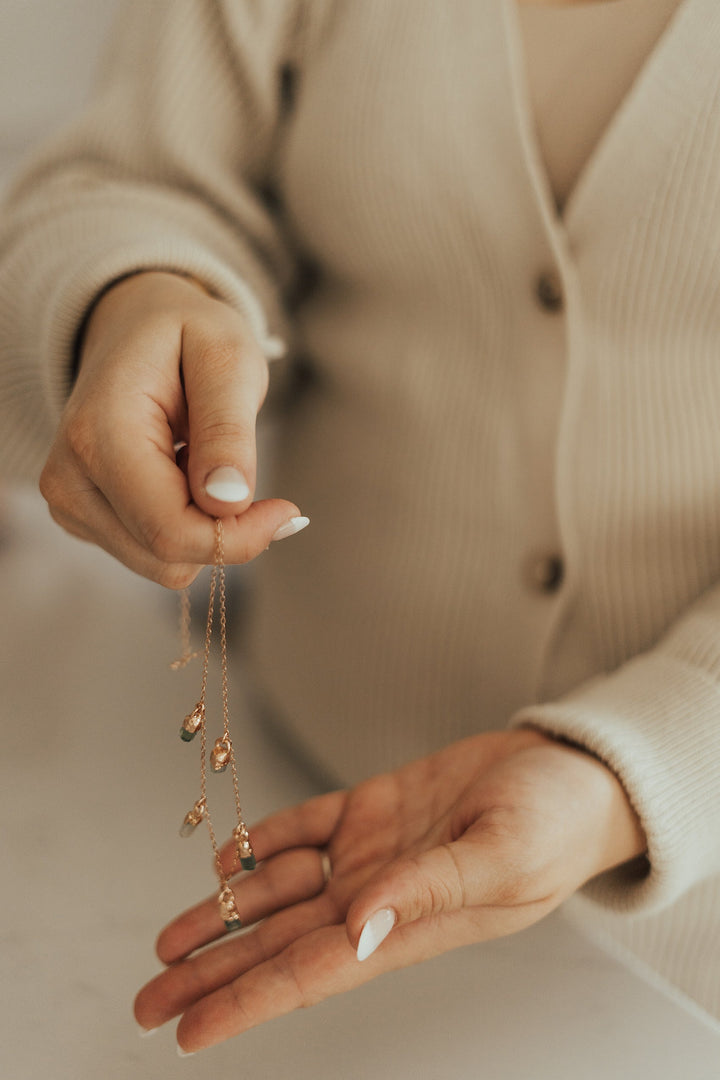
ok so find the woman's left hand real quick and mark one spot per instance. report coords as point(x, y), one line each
point(476, 841)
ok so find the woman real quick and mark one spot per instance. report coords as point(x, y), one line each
point(499, 416)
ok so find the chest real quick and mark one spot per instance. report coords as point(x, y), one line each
point(415, 128)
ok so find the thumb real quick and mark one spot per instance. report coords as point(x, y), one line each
point(225, 378)
point(432, 883)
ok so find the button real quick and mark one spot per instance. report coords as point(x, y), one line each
point(548, 290)
point(545, 573)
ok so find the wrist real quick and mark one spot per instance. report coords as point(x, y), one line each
point(616, 828)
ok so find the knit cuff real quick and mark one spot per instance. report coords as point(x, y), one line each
point(655, 723)
point(76, 295)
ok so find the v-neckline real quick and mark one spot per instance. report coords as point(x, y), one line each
point(600, 157)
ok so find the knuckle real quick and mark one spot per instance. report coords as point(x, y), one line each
point(221, 428)
point(162, 542)
point(50, 486)
point(80, 436)
point(441, 892)
point(243, 1013)
point(227, 351)
point(290, 966)
point(224, 353)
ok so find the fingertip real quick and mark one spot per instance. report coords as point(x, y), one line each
point(293, 525)
point(227, 484)
point(145, 1032)
point(375, 930)
point(147, 1023)
point(167, 947)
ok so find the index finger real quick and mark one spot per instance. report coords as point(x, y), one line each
point(134, 466)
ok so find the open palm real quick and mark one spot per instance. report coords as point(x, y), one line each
point(478, 840)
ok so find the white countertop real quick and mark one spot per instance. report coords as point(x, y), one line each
point(93, 786)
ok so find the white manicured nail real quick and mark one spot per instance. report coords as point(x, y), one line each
point(294, 525)
point(227, 484)
point(145, 1032)
point(374, 932)
point(185, 1053)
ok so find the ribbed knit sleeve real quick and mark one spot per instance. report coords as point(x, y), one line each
point(655, 722)
point(166, 170)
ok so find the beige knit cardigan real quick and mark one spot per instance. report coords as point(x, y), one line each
point(493, 393)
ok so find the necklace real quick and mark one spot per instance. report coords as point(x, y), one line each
point(222, 755)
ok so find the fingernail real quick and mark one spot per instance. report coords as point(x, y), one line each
point(185, 1053)
point(144, 1032)
point(375, 930)
point(227, 484)
point(294, 525)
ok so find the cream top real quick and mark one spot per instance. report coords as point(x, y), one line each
point(581, 61)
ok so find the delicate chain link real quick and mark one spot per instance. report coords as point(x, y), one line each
point(217, 588)
point(203, 725)
point(186, 651)
point(220, 562)
point(220, 566)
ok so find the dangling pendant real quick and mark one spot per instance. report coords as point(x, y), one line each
point(228, 909)
point(243, 847)
point(193, 818)
point(193, 722)
point(220, 755)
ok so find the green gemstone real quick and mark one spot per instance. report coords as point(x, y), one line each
point(232, 924)
point(248, 863)
point(187, 736)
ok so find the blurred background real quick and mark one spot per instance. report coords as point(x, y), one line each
point(49, 55)
point(94, 784)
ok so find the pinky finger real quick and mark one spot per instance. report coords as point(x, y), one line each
point(100, 525)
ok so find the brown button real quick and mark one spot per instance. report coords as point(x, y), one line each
point(548, 290)
point(546, 573)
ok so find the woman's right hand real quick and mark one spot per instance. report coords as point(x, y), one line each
point(163, 362)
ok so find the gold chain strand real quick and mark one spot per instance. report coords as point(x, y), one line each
point(195, 719)
point(186, 650)
point(222, 753)
point(243, 847)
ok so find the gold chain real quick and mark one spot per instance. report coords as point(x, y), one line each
point(222, 753)
point(186, 653)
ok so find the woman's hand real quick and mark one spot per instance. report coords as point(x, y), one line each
point(163, 363)
point(476, 841)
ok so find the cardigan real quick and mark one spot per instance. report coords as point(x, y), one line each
point(503, 424)
point(580, 61)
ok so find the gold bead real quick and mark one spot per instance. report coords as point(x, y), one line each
point(192, 722)
point(243, 847)
point(228, 908)
point(193, 818)
point(220, 755)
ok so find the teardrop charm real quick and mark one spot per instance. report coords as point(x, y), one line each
point(220, 755)
point(193, 722)
point(243, 847)
point(193, 818)
point(228, 908)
